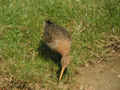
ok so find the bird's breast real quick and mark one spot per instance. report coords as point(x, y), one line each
point(61, 46)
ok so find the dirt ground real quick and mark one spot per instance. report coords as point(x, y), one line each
point(102, 76)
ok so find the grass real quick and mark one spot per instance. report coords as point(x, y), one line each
point(21, 30)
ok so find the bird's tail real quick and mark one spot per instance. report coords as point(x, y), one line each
point(48, 22)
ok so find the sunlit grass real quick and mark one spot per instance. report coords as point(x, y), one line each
point(21, 30)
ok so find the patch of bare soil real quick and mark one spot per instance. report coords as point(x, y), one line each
point(102, 76)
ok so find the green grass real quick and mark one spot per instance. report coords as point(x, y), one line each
point(21, 30)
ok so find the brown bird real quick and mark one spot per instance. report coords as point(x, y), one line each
point(58, 39)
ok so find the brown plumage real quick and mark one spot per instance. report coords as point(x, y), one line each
point(58, 39)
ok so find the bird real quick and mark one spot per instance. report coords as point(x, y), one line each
point(58, 39)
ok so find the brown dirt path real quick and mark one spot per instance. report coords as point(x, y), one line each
point(102, 76)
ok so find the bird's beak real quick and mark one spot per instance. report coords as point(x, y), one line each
point(61, 73)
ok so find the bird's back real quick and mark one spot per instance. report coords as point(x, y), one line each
point(53, 32)
point(57, 37)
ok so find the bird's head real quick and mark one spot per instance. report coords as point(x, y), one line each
point(64, 63)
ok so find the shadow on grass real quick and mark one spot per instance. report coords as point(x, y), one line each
point(48, 54)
